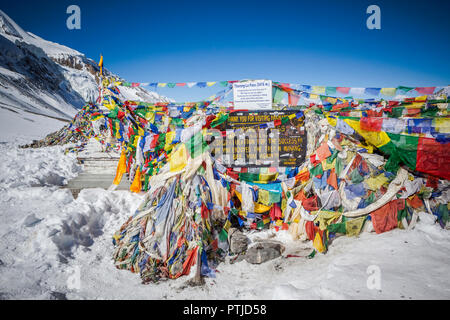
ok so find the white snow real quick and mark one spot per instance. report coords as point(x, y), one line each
point(22, 127)
point(48, 238)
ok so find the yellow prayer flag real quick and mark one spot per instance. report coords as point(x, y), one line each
point(136, 186)
point(388, 91)
point(442, 125)
point(227, 225)
point(332, 100)
point(318, 89)
point(178, 159)
point(332, 121)
point(378, 139)
point(260, 208)
point(121, 168)
point(353, 227)
point(318, 243)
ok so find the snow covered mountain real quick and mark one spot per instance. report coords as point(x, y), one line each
point(42, 78)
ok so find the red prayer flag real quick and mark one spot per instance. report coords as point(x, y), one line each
point(371, 124)
point(433, 157)
point(293, 99)
point(332, 179)
point(425, 90)
point(344, 90)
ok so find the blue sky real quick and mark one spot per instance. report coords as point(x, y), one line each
point(306, 42)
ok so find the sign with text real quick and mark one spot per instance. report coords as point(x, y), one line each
point(253, 95)
point(260, 145)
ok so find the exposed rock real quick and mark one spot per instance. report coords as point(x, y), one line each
point(238, 241)
point(31, 221)
point(264, 251)
point(54, 295)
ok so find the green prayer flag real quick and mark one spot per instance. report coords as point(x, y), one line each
point(396, 112)
point(356, 177)
point(317, 170)
point(177, 122)
point(404, 89)
point(338, 166)
point(312, 254)
point(223, 235)
point(277, 94)
point(406, 147)
point(220, 120)
point(443, 212)
point(330, 91)
point(331, 158)
point(337, 227)
point(248, 177)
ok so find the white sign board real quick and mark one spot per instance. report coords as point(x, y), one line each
point(253, 95)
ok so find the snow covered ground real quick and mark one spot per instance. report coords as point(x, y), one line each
point(53, 246)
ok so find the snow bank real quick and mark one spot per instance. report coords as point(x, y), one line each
point(35, 167)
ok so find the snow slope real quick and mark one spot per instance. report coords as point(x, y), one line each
point(48, 245)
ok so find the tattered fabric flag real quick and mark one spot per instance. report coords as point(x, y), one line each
point(210, 84)
point(161, 84)
point(305, 87)
point(178, 159)
point(223, 83)
point(317, 243)
point(316, 171)
point(404, 89)
point(332, 179)
point(372, 91)
point(388, 91)
point(191, 84)
point(357, 91)
point(293, 99)
point(330, 91)
point(318, 90)
point(371, 124)
point(201, 84)
point(277, 94)
point(171, 85)
point(425, 90)
point(353, 227)
point(121, 168)
point(343, 90)
point(100, 64)
point(136, 186)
